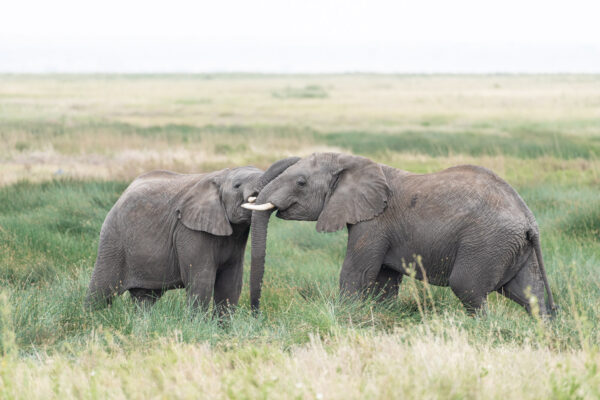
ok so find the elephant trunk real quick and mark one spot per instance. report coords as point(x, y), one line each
point(260, 222)
point(274, 170)
point(259, 225)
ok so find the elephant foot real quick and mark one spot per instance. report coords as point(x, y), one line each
point(145, 298)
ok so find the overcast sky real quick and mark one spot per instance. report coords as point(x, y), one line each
point(300, 36)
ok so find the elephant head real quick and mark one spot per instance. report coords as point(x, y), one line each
point(330, 188)
point(213, 204)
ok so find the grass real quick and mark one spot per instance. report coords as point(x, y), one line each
point(307, 92)
point(436, 144)
point(307, 343)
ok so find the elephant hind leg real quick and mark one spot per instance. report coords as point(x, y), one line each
point(473, 298)
point(526, 283)
point(145, 298)
point(475, 274)
point(106, 280)
point(387, 284)
point(100, 295)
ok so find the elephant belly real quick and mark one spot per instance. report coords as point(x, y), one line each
point(423, 264)
point(149, 254)
point(151, 268)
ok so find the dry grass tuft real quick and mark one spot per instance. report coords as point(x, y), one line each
point(379, 366)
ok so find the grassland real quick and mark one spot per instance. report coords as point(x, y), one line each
point(70, 145)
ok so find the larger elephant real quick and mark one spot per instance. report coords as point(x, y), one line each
point(170, 230)
point(471, 229)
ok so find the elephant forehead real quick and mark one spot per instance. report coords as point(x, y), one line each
point(308, 166)
point(316, 176)
point(297, 170)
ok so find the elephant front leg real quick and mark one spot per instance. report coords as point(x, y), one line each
point(363, 262)
point(228, 287)
point(145, 298)
point(199, 283)
point(197, 266)
point(387, 284)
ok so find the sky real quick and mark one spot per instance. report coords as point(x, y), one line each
point(422, 36)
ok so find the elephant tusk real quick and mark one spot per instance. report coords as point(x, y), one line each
point(251, 199)
point(258, 207)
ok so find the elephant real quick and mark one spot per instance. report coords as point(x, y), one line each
point(171, 230)
point(470, 229)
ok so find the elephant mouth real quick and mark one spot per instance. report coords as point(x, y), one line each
point(283, 214)
point(296, 212)
point(287, 212)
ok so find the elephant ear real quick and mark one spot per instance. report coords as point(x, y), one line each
point(201, 208)
point(360, 192)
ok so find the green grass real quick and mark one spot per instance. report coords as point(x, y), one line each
point(47, 229)
point(519, 141)
point(49, 238)
point(307, 92)
point(521, 144)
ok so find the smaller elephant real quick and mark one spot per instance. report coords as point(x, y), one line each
point(170, 230)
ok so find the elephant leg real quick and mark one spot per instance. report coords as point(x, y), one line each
point(526, 283)
point(475, 274)
point(197, 267)
point(99, 297)
point(228, 287)
point(198, 278)
point(105, 283)
point(199, 286)
point(364, 257)
point(387, 284)
point(145, 298)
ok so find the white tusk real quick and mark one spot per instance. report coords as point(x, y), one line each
point(251, 199)
point(259, 207)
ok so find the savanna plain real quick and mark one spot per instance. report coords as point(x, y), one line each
point(69, 145)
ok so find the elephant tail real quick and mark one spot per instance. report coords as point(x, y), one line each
point(534, 238)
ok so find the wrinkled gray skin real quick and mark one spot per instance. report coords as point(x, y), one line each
point(170, 230)
point(472, 230)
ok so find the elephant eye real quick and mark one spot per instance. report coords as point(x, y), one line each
point(237, 185)
point(301, 181)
